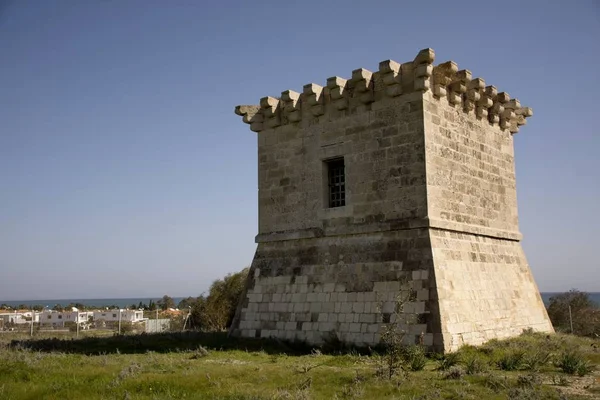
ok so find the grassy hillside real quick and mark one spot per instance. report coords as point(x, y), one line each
point(210, 366)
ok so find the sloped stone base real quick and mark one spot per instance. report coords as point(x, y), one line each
point(484, 290)
point(460, 289)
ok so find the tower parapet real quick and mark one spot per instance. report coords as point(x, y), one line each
point(393, 79)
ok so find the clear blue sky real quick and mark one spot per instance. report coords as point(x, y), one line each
point(124, 171)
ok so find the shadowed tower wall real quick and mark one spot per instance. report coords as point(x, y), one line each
point(429, 210)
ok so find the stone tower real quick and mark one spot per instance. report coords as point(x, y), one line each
point(390, 182)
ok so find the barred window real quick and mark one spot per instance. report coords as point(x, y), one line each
point(337, 182)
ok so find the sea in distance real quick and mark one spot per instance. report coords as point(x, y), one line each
point(125, 303)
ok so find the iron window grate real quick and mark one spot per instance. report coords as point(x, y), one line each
point(337, 183)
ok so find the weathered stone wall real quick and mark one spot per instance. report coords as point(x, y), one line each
point(385, 171)
point(305, 289)
point(430, 198)
point(484, 285)
point(484, 290)
point(470, 172)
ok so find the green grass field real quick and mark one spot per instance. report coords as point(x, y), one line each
point(210, 366)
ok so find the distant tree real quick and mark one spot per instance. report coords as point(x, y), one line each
point(23, 307)
point(151, 305)
point(78, 306)
point(5, 306)
point(142, 306)
point(37, 307)
point(58, 307)
point(584, 313)
point(165, 303)
point(186, 303)
point(215, 312)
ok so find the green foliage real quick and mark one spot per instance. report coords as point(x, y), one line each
point(448, 360)
point(536, 359)
point(200, 352)
point(152, 305)
point(529, 381)
point(216, 311)
point(573, 362)
point(584, 313)
point(495, 382)
point(475, 364)
point(414, 357)
point(195, 365)
point(165, 303)
point(454, 372)
point(186, 303)
point(511, 360)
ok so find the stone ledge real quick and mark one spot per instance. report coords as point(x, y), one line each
point(358, 229)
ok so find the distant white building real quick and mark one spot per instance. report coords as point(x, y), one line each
point(9, 319)
point(58, 318)
point(113, 315)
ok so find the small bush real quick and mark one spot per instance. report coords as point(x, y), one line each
point(475, 365)
point(519, 393)
point(448, 360)
point(572, 362)
point(511, 360)
point(200, 352)
point(454, 372)
point(529, 381)
point(495, 383)
point(415, 358)
point(560, 380)
point(535, 360)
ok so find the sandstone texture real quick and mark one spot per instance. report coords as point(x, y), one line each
point(430, 211)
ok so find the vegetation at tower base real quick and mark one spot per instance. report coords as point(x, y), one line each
point(216, 311)
point(197, 365)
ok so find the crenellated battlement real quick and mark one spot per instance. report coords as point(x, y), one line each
point(365, 88)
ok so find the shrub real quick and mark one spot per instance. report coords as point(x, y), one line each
point(414, 357)
point(200, 352)
point(495, 383)
point(216, 311)
point(448, 360)
point(475, 365)
point(536, 359)
point(396, 355)
point(520, 393)
point(454, 372)
point(529, 381)
point(511, 360)
point(572, 362)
